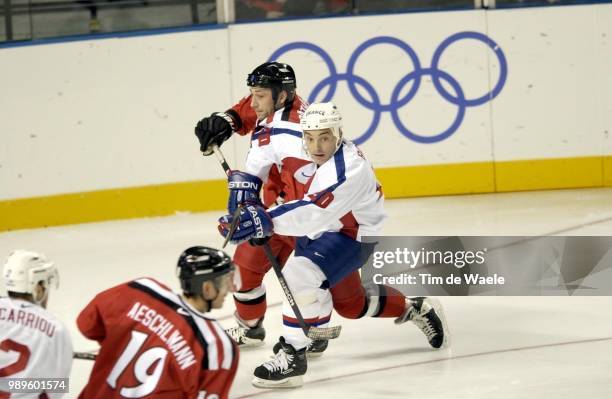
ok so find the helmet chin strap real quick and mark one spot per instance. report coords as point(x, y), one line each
point(275, 94)
point(339, 136)
point(209, 302)
point(42, 298)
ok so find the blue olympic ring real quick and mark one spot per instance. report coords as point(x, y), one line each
point(457, 98)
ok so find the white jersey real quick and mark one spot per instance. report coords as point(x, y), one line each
point(33, 343)
point(276, 140)
point(342, 195)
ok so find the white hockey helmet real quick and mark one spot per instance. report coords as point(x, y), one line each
point(323, 116)
point(24, 270)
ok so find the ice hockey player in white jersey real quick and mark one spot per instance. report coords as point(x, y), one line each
point(342, 203)
point(33, 343)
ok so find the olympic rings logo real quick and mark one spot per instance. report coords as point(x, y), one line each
point(374, 103)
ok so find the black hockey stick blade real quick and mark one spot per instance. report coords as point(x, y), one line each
point(85, 355)
point(324, 332)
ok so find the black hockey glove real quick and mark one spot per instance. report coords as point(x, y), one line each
point(214, 129)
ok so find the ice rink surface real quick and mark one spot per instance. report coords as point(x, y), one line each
point(502, 347)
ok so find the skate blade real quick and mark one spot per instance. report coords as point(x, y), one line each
point(437, 305)
point(291, 382)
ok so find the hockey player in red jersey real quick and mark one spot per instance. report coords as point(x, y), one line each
point(272, 105)
point(158, 343)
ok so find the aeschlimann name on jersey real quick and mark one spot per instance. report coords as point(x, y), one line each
point(166, 331)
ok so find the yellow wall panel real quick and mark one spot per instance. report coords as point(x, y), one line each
point(94, 206)
point(544, 174)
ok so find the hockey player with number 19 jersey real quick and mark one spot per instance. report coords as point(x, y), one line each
point(157, 343)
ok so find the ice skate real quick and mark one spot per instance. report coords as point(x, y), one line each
point(314, 349)
point(284, 370)
point(428, 315)
point(246, 336)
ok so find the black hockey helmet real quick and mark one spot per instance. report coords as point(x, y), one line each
point(275, 75)
point(198, 264)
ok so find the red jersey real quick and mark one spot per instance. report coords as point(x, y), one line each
point(154, 344)
point(244, 116)
point(278, 183)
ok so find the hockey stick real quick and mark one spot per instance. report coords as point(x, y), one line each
point(85, 355)
point(311, 332)
point(221, 159)
point(236, 214)
point(233, 225)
